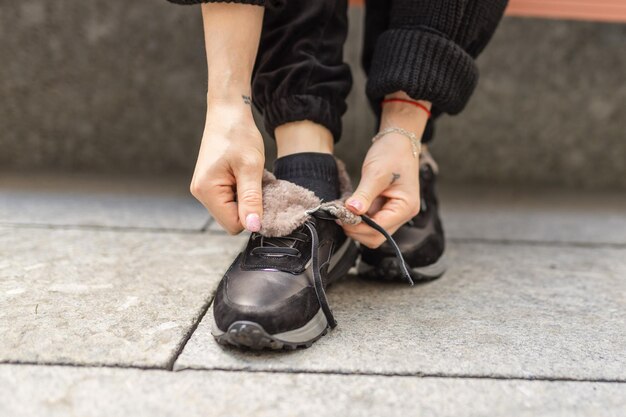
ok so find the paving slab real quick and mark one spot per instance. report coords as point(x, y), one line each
point(546, 215)
point(517, 311)
point(102, 297)
point(27, 391)
point(73, 200)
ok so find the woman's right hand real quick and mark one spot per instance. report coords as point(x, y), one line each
point(229, 169)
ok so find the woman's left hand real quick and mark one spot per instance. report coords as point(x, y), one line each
point(389, 190)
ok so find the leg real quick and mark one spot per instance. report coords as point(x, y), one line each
point(300, 74)
point(301, 83)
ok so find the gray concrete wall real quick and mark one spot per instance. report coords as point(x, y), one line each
point(100, 85)
point(550, 108)
point(119, 86)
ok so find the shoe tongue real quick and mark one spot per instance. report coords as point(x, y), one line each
point(289, 241)
point(289, 253)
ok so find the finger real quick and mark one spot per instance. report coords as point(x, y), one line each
point(228, 218)
point(395, 213)
point(373, 183)
point(249, 196)
point(377, 204)
point(219, 200)
point(365, 235)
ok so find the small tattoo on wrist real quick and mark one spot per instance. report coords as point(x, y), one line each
point(394, 177)
point(247, 99)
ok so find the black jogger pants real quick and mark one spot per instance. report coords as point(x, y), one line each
point(425, 48)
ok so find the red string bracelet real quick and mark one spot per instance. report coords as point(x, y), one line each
point(414, 103)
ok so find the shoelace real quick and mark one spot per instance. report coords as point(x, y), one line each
point(317, 276)
point(280, 246)
point(283, 246)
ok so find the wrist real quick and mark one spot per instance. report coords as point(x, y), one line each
point(232, 97)
point(229, 88)
point(234, 103)
point(401, 111)
point(396, 133)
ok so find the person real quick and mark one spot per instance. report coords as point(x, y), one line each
point(286, 58)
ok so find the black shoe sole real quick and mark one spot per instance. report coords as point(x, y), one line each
point(251, 335)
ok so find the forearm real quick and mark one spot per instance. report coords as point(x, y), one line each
point(231, 33)
point(227, 177)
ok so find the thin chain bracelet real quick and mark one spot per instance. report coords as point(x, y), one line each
point(415, 143)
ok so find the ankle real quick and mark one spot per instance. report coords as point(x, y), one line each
point(303, 136)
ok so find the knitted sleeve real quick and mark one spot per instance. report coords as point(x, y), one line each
point(254, 2)
point(428, 50)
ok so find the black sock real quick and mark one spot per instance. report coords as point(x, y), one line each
point(311, 170)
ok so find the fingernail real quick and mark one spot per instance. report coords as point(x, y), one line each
point(253, 222)
point(355, 204)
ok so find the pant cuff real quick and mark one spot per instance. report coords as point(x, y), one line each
point(304, 107)
point(426, 66)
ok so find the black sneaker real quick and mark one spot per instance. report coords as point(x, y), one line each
point(273, 295)
point(421, 240)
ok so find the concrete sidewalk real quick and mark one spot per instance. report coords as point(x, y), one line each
point(105, 285)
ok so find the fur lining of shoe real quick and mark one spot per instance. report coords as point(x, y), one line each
point(287, 206)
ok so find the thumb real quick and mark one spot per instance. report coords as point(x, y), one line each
point(250, 197)
point(370, 187)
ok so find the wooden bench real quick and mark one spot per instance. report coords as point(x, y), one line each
point(599, 10)
point(602, 10)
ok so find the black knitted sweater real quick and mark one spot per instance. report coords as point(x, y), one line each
point(425, 48)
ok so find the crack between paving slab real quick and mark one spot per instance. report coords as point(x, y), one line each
point(529, 242)
point(313, 372)
point(407, 374)
point(208, 223)
point(181, 346)
point(98, 228)
point(82, 365)
point(411, 375)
